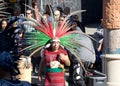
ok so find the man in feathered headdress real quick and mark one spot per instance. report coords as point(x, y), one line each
point(56, 39)
point(54, 58)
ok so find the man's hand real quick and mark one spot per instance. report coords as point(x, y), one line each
point(64, 58)
point(39, 78)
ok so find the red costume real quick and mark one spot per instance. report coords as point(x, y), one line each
point(53, 76)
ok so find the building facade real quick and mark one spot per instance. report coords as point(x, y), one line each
point(93, 8)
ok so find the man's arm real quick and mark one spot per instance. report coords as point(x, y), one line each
point(64, 58)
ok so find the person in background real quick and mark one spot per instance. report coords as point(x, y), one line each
point(7, 69)
point(76, 72)
point(29, 15)
point(54, 58)
point(66, 12)
point(49, 9)
point(61, 19)
point(99, 36)
point(16, 15)
point(79, 24)
point(29, 29)
point(46, 16)
point(61, 10)
point(3, 25)
point(9, 55)
point(57, 15)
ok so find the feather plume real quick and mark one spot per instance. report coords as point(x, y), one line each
point(72, 40)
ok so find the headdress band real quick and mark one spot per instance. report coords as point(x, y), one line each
point(55, 40)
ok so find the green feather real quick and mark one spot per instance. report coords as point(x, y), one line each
point(66, 40)
point(35, 38)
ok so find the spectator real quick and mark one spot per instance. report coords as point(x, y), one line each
point(47, 18)
point(66, 12)
point(29, 28)
point(3, 25)
point(16, 13)
point(7, 69)
point(79, 24)
point(48, 9)
point(61, 19)
point(57, 15)
point(98, 35)
point(61, 10)
point(29, 13)
point(76, 69)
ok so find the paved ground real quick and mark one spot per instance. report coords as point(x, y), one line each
point(36, 81)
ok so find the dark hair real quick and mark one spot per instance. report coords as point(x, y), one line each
point(66, 10)
point(30, 10)
point(7, 63)
point(2, 21)
point(60, 9)
point(49, 9)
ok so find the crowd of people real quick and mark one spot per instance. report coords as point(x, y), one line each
point(53, 59)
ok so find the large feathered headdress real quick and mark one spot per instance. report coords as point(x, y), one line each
point(71, 40)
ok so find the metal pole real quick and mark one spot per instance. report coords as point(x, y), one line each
point(41, 6)
point(63, 3)
point(25, 8)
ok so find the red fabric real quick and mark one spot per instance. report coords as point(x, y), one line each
point(54, 78)
point(52, 56)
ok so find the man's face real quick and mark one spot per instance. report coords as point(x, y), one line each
point(4, 24)
point(57, 15)
point(45, 17)
point(55, 45)
point(28, 14)
point(61, 19)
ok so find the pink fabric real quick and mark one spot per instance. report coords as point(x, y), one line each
point(54, 79)
point(52, 56)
